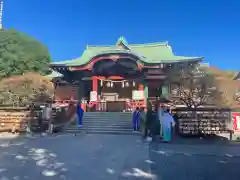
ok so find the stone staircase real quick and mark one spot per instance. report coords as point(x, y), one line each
point(104, 123)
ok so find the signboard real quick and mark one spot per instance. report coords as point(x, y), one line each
point(93, 96)
point(236, 121)
point(137, 95)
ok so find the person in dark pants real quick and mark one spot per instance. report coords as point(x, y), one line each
point(79, 115)
point(149, 130)
point(142, 119)
point(176, 128)
point(147, 123)
point(136, 119)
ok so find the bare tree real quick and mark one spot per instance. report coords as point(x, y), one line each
point(195, 87)
point(230, 95)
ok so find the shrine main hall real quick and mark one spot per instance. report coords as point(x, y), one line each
point(118, 77)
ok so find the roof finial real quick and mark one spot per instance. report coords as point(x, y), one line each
point(121, 39)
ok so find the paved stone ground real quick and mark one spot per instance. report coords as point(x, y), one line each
point(195, 162)
point(115, 157)
point(92, 157)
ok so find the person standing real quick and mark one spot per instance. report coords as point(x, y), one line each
point(136, 119)
point(149, 130)
point(167, 125)
point(142, 119)
point(48, 117)
point(79, 115)
point(159, 116)
point(147, 124)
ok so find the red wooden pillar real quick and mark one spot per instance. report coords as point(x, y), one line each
point(94, 93)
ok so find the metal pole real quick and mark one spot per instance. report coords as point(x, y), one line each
point(1, 14)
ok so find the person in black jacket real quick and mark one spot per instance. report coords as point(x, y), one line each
point(150, 123)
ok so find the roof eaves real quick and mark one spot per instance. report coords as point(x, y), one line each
point(99, 46)
point(173, 60)
point(54, 74)
point(150, 44)
point(61, 63)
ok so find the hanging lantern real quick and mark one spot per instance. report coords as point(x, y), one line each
point(133, 84)
point(127, 84)
point(101, 83)
point(122, 84)
point(108, 84)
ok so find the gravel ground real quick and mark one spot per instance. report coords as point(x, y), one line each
point(115, 157)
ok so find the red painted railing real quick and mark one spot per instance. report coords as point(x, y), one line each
point(101, 105)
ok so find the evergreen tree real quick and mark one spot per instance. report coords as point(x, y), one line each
point(20, 53)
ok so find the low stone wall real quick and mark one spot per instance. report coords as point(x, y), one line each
point(16, 119)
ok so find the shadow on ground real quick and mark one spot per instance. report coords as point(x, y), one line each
point(195, 158)
point(97, 157)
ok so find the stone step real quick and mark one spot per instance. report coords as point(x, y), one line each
point(124, 113)
point(106, 119)
point(102, 127)
point(90, 123)
point(107, 126)
point(99, 114)
point(108, 115)
point(100, 131)
point(109, 118)
point(104, 123)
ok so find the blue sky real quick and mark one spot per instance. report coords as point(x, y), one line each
point(208, 28)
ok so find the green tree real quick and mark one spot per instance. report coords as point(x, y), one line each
point(20, 53)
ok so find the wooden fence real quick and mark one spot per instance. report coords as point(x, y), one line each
point(204, 121)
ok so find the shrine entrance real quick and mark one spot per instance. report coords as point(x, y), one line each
point(116, 84)
point(117, 94)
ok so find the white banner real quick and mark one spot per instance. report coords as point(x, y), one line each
point(93, 96)
point(137, 95)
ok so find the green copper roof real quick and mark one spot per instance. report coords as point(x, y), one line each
point(152, 53)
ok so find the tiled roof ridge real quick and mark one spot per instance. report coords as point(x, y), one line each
point(165, 43)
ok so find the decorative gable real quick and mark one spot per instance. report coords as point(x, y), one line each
point(237, 77)
point(122, 43)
